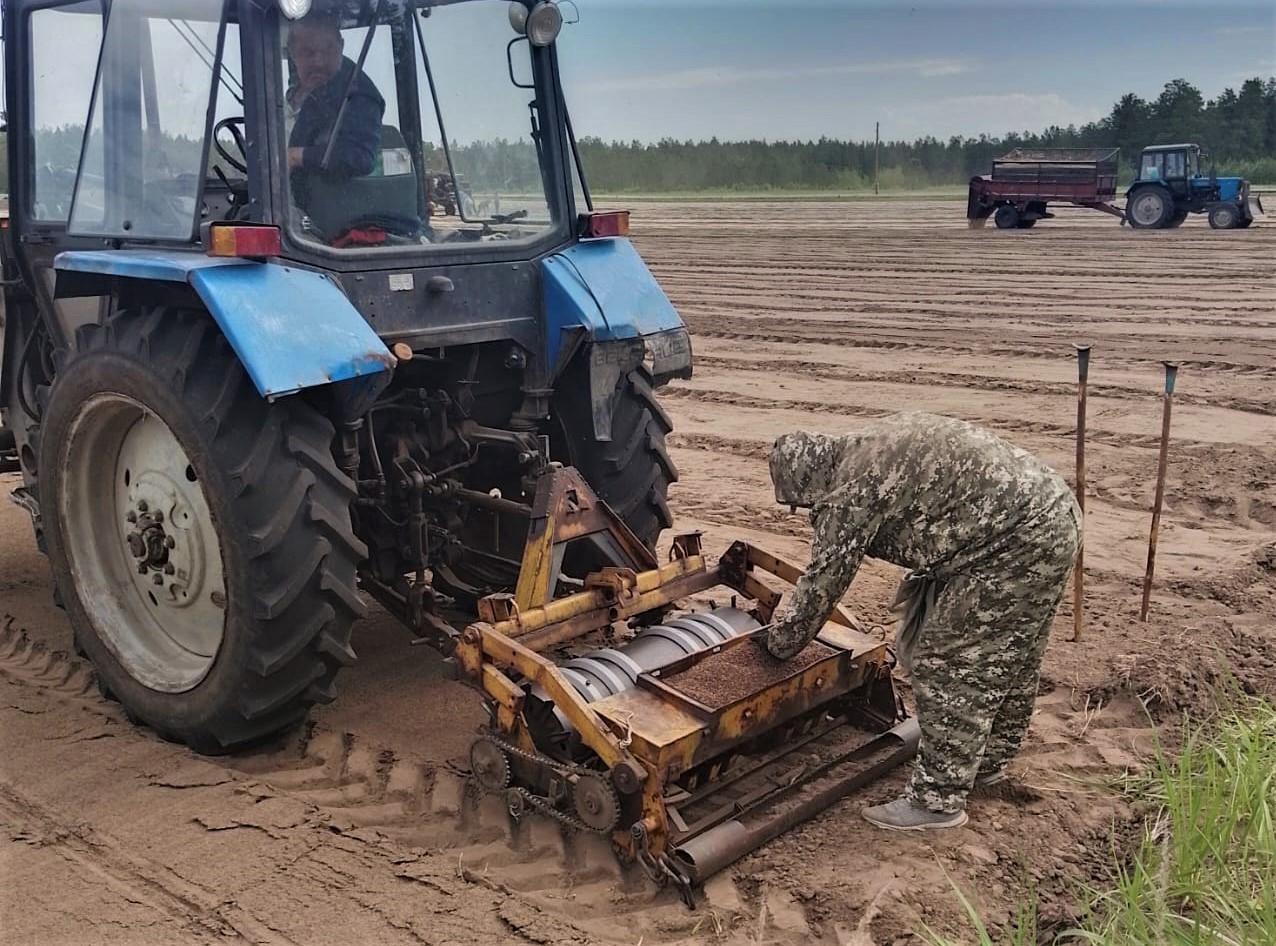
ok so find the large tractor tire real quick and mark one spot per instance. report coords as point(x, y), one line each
point(632, 472)
point(1149, 208)
point(199, 536)
point(1225, 217)
point(1007, 217)
point(1176, 220)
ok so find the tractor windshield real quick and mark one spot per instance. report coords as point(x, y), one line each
point(405, 126)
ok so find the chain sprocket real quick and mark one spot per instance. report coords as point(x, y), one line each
point(596, 802)
point(490, 764)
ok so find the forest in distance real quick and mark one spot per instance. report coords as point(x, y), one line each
point(1237, 129)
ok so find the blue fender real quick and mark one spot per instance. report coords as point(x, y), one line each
point(604, 287)
point(291, 328)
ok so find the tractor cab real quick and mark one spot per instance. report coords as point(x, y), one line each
point(334, 123)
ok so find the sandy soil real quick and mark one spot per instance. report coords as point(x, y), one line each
point(816, 315)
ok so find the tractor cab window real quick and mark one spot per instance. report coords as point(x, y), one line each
point(1175, 165)
point(403, 128)
point(64, 45)
point(145, 155)
point(1153, 168)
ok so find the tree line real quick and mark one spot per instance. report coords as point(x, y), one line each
point(1238, 128)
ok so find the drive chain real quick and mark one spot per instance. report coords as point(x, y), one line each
point(545, 807)
point(563, 769)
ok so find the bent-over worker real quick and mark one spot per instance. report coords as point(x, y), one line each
point(989, 534)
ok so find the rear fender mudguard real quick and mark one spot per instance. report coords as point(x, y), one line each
point(599, 296)
point(291, 328)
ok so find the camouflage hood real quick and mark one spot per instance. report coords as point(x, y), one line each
point(804, 467)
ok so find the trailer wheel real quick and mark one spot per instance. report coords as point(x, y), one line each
point(1224, 216)
point(1007, 217)
point(1149, 208)
point(200, 537)
point(633, 471)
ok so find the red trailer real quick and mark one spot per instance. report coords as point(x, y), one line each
point(1026, 181)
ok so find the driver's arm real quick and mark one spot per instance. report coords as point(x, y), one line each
point(358, 140)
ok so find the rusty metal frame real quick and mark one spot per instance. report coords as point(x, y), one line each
point(507, 641)
point(566, 510)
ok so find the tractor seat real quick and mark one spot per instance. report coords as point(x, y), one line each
point(385, 200)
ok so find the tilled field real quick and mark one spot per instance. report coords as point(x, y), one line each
point(815, 315)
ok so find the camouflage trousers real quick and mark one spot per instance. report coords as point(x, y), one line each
point(978, 659)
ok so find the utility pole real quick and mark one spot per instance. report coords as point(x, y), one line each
point(877, 163)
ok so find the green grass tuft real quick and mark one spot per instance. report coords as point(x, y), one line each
point(1205, 871)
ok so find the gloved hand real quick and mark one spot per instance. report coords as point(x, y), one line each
point(789, 635)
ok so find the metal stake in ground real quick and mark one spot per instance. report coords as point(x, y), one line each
point(1078, 575)
point(1171, 372)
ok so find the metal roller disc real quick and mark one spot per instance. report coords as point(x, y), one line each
point(490, 765)
point(596, 802)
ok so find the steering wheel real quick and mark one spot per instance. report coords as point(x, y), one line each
point(233, 125)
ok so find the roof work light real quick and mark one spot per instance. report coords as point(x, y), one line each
point(544, 23)
point(294, 9)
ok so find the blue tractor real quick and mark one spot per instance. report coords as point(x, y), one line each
point(1171, 184)
point(254, 364)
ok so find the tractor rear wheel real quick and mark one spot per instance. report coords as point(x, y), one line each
point(1007, 217)
point(1176, 220)
point(199, 536)
point(631, 472)
point(1149, 208)
point(1225, 216)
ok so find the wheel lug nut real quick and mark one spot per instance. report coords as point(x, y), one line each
point(157, 515)
point(170, 542)
point(157, 579)
point(141, 568)
point(142, 505)
point(131, 516)
point(169, 569)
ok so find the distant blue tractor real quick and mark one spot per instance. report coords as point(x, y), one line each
point(1171, 185)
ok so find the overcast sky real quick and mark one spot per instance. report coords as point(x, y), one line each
point(746, 68)
point(734, 69)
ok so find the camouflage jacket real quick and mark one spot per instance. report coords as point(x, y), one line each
point(928, 493)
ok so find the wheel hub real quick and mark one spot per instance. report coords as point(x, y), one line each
point(171, 560)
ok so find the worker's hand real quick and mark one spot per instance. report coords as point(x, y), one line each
point(295, 157)
point(788, 636)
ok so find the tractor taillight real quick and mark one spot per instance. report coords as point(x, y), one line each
point(610, 223)
point(245, 240)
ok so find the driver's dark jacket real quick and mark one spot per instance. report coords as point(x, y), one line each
point(358, 138)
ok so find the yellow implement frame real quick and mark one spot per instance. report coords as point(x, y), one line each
point(649, 736)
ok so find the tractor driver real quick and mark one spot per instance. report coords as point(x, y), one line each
point(320, 77)
point(989, 534)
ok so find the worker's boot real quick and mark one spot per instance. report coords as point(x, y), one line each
point(986, 779)
point(902, 814)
